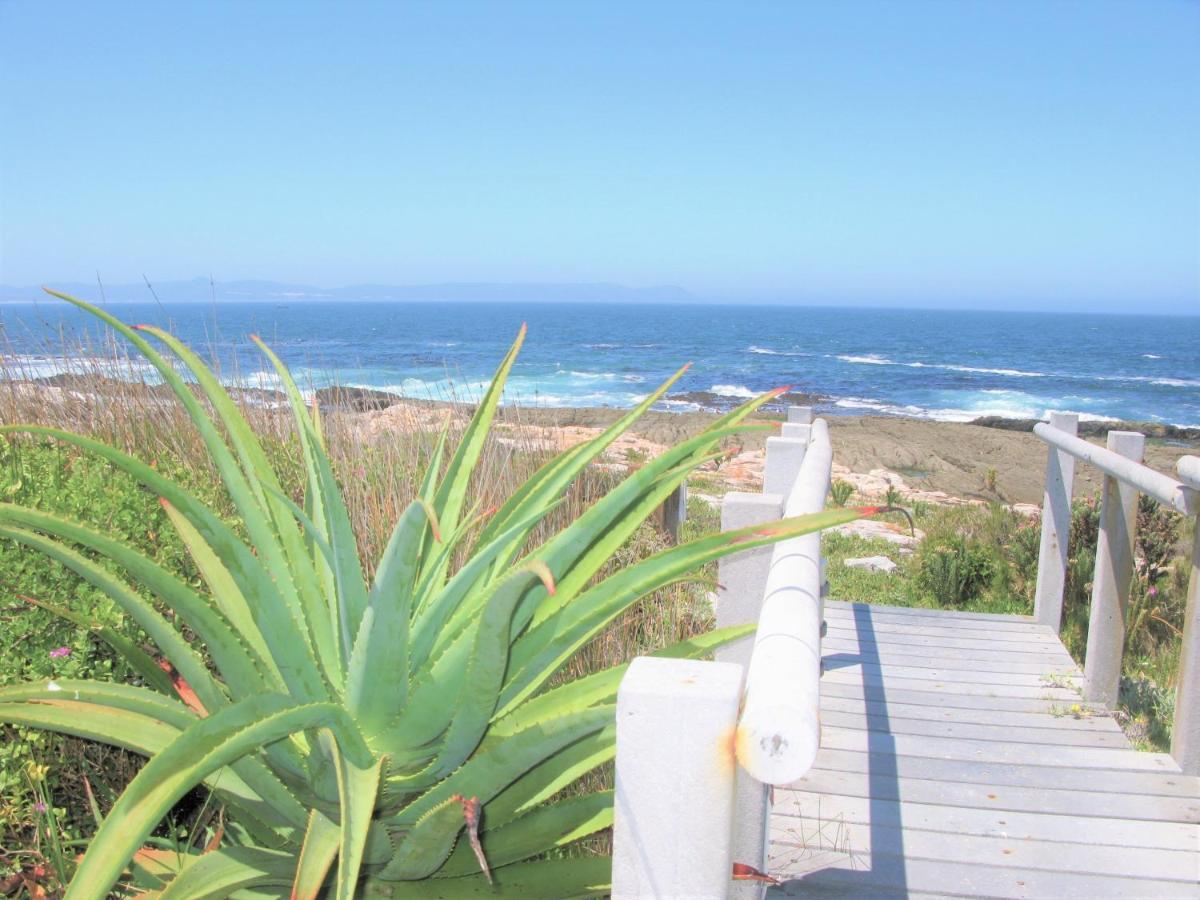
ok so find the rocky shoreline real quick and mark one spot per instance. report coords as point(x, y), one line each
point(991, 459)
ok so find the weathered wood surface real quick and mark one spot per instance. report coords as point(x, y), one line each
point(959, 759)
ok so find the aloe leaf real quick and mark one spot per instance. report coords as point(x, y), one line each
point(139, 660)
point(601, 687)
point(220, 873)
point(494, 765)
point(204, 747)
point(551, 775)
point(177, 651)
point(320, 848)
point(555, 475)
point(262, 534)
point(448, 605)
point(377, 679)
point(222, 587)
point(82, 710)
point(358, 787)
point(543, 830)
point(581, 549)
point(538, 654)
point(328, 502)
point(276, 619)
point(450, 495)
point(561, 879)
point(483, 676)
point(241, 668)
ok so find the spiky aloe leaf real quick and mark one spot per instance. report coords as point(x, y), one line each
point(563, 879)
point(321, 841)
point(545, 829)
point(223, 873)
point(204, 747)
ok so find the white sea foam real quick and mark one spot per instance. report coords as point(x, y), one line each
point(1012, 373)
point(732, 390)
point(767, 351)
point(871, 359)
point(1151, 356)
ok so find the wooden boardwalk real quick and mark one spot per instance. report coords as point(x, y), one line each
point(958, 760)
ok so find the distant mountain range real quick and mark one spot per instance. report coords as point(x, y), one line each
point(201, 290)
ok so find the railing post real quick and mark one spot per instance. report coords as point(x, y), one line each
point(1110, 584)
point(1185, 732)
point(784, 456)
point(742, 577)
point(1056, 526)
point(673, 810)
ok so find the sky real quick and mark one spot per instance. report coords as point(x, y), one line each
point(1017, 154)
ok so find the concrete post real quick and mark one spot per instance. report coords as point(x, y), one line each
point(1185, 733)
point(1110, 584)
point(675, 766)
point(742, 577)
point(795, 432)
point(675, 511)
point(784, 456)
point(1056, 526)
point(800, 415)
point(741, 583)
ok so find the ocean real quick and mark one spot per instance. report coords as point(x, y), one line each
point(950, 366)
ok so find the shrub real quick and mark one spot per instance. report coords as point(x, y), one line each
point(840, 492)
point(367, 721)
point(955, 572)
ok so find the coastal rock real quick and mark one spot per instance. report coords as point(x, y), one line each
point(879, 530)
point(871, 564)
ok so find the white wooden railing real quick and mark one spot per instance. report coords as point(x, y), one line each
point(1124, 478)
point(699, 744)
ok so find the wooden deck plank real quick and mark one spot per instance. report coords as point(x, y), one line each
point(951, 765)
point(879, 874)
point(952, 635)
point(1016, 774)
point(884, 788)
point(994, 751)
point(1055, 716)
point(918, 613)
point(890, 681)
point(840, 655)
point(1063, 853)
point(1062, 736)
point(980, 700)
point(836, 643)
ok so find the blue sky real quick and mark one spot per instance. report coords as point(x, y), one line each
point(1037, 155)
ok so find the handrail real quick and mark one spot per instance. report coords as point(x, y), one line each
point(1161, 487)
point(779, 730)
point(1125, 477)
point(1188, 468)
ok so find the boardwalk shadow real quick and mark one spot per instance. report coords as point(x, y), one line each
point(881, 870)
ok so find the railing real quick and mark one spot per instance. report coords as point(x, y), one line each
point(700, 743)
point(1124, 478)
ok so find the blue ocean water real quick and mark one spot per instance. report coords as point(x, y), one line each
point(952, 366)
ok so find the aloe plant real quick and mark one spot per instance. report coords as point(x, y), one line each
point(403, 728)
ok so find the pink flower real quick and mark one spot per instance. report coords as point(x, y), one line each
point(1153, 592)
point(39, 807)
point(60, 652)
